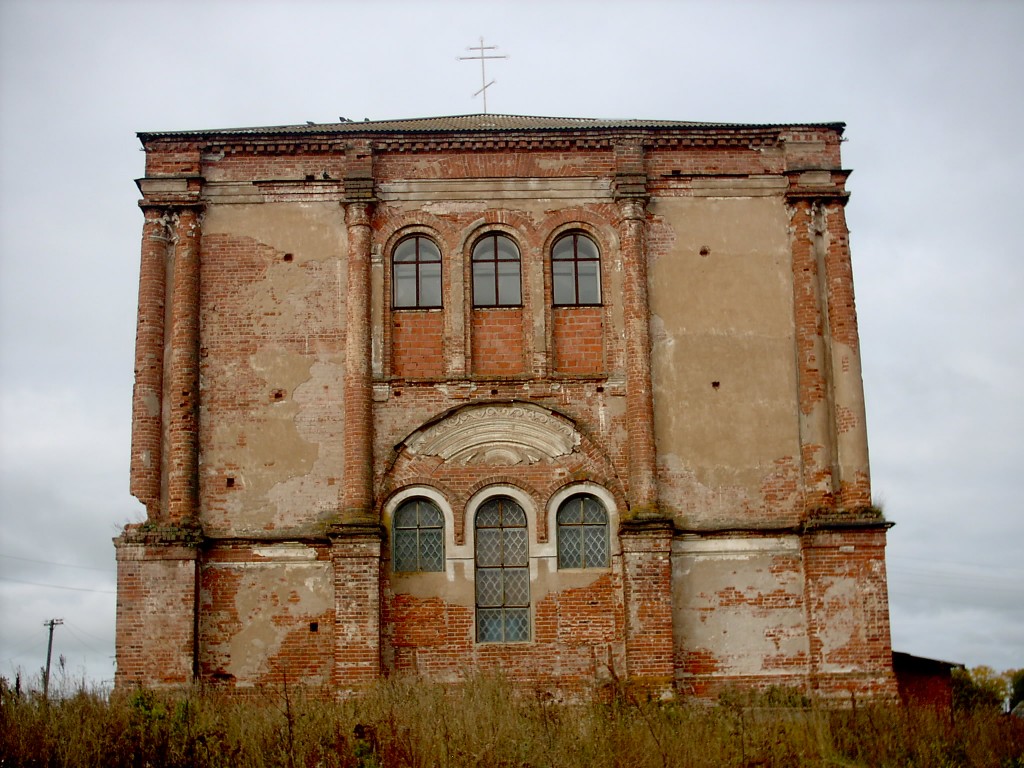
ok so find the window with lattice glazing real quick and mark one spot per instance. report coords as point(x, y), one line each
point(575, 271)
point(502, 572)
point(418, 540)
point(582, 533)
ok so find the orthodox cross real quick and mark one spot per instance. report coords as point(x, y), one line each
point(483, 72)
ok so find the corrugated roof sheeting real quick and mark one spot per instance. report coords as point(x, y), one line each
point(478, 122)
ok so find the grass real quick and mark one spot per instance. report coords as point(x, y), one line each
point(408, 722)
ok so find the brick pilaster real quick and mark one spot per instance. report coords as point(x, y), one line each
point(851, 461)
point(355, 555)
point(813, 362)
point(643, 489)
point(357, 493)
point(183, 374)
point(156, 610)
point(647, 576)
point(848, 609)
point(147, 396)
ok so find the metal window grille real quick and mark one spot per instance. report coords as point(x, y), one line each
point(502, 572)
point(582, 533)
point(418, 537)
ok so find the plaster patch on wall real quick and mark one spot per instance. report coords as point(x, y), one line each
point(272, 600)
point(754, 626)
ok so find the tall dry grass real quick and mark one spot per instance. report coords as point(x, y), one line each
point(408, 722)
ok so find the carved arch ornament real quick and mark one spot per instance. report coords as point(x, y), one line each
point(496, 434)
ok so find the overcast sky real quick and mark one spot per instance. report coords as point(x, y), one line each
point(932, 97)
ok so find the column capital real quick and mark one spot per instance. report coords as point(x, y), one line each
point(357, 213)
point(632, 208)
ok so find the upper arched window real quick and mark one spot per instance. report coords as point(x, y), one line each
point(502, 572)
point(418, 536)
point(582, 533)
point(575, 271)
point(416, 273)
point(496, 272)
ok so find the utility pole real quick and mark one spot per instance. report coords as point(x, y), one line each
point(49, 652)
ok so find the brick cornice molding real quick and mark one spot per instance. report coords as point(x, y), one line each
point(339, 532)
point(185, 537)
point(650, 527)
point(601, 139)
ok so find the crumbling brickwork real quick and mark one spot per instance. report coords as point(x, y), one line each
point(577, 400)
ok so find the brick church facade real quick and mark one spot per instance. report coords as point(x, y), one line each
point(574, 399)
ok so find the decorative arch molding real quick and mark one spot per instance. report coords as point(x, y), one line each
point(498, 434)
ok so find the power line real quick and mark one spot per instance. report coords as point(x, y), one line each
point(58, 586)
point(50, 562)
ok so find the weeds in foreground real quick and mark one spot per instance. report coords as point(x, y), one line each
point(407, 722)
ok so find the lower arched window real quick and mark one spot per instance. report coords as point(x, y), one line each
point(502, 572)
point(418, 536)
point(582, 533)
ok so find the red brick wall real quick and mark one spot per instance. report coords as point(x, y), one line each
point(578, 340)
point(498, 342)
point(256, 629)
point(156, 597)
point(417, 344)
point(576, 636)
point(848, 613)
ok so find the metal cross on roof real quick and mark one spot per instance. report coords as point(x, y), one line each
point(483, 72)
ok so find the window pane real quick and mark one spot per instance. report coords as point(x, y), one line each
point(489, 514)
point(406, 250)
point(405, 550)
point(570, 512)
point(517, 586)
point(429, 251)
point(569, 547)
point(489, 625)
point(488, 547)
point(489, 586)
point(590, 282)
point(517, 625)
point(563, 249)
point(506, 248)
point(593, 510)
point(430, 284)
point(516, 551)
point(405, 516)
point(483, 284)
point(563, 282)
point(430, 516)
point(512, 514)
point(585, 248)
point(484, 250)
point(595, 546)
point(405, 285)
point(431, 550)
point(508, 283)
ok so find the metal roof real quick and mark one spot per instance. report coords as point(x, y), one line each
point(477, 122)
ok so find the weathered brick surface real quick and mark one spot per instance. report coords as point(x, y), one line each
point(282, 408)
point(156, 595)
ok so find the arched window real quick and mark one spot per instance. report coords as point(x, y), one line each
point(582, 533)
point(496, 272)
point(416, 274)
point(418, 536)
point(575, 271)
point(502, 572)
